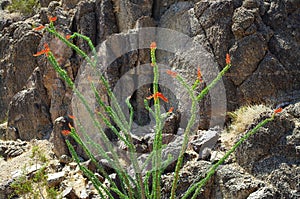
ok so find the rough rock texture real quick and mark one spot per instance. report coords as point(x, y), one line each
point(3, 128)
point(204, 141)
point(45, 3)
point(66, 178)
point(272, 153)
point(187, 175)
point(17, 50)
point(127, 12)
point(264, 52)
point(10, 149)
point(28, 112)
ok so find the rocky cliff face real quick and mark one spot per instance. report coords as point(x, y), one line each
point(262, 37)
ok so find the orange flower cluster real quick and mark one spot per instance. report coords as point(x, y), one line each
point(68, 37)
point(171, 73)
point(278, 110)
point(45, 51)
point(171, 110)
point(158, 95)
point(199, 75)
point(228, 59)
point(52, 19)
point(67, 132)
point(41, 27)
point(153, 46)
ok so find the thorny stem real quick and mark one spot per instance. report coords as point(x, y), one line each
point(156, 162)
point(198, 186)
point(186, 135)
point(64, 75)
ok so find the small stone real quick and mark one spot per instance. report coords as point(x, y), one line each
point(216, 156)
point(205, 141)
point(3, 128)
point(28, 171)
point(64, 159)
point(100, 177)
point(55, 178)
point(73, 165)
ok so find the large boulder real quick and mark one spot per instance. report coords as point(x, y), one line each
point(16, 61)
point(128, 11)
point(272, 154)
point(28, 116)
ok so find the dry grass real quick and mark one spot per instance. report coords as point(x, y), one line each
point(241, 119)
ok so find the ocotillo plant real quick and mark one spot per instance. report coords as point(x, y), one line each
point(137, 186)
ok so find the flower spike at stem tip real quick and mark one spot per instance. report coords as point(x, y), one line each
point(52, 19)
point(278, 110)
point(45, 51)
point(41, 27)
point(171, 73)
point(65, 132)
point(171, 110)
point(153, 46)
point(158, 95)
point(68, 37)
point(199, 75)
point(228, 59)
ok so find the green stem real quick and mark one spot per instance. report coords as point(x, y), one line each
point(214, 82)
point(186, 136)
point(212, 170)
point(106, 141)
point(156, 163)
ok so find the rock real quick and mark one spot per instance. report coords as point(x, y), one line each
point(45, 3)
point(106, 20)
point(286, 179)
point(58, 94)
point(235, 183)
point(85, 18)
point(4, 4)
point(171, 124)
point(64, 159)
point(55, 179)
point(242, 20)
point(4, 100)
point(5, 189)
point(190, 172)
point(181, 18)
point(127, 12)
point(161, 7)
point(69, 4)
point(166, 139)
point(6, 18)
point(216, 156)
point(203, 141)
point(35, 123)
point(10, 149)
point(114, 177)
point(215, 18)
point(271, 154)
point(3, 128)
point(28, 171)
point(23, 47)
point(145, 21)
point(75, 186)
point(57, 138)
point(268, 71)
point(246, 54)
point(264, 193)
